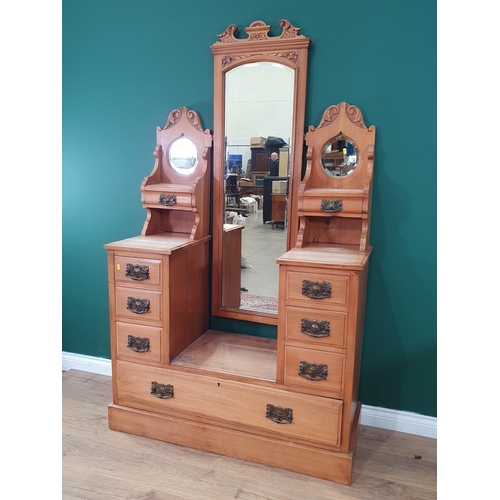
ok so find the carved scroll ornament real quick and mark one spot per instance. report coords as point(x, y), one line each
point(316, 289)
point(258, 31)
point(332, 112)
point(175, 116)
point(136, 272)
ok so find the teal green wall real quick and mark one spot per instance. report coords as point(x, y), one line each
point(127, 64)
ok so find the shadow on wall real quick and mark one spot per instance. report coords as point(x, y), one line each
point(398, 368)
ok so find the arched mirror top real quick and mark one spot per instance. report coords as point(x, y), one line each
point(340, 148)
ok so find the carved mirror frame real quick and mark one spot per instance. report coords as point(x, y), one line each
point(289, 49)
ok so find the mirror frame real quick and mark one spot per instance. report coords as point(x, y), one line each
point(290, 49)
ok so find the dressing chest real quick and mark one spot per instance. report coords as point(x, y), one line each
point(289, 402)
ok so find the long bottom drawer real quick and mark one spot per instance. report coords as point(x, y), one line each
point(242, 405)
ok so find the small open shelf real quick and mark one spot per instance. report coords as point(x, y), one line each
point(231, 353)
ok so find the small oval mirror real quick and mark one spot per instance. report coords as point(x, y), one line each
point(339, 157)
point(183, 155)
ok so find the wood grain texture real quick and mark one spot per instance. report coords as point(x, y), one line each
point(101, 464)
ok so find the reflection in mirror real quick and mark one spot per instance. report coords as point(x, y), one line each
point(339, 157)
point(183, 155)
point(258, 132)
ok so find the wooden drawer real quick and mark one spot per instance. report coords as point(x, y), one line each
point(138, 343)
point(324, 380)
point(316, 327)
point(240, 405)
point(313, 205)
point(170, 199)
point(136, 303)
point(316, 288)
point(135, 270)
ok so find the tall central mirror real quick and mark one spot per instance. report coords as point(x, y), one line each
point(259, 104)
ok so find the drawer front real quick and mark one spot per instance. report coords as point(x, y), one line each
point(317, 288)
point(167, 199)
point(141, 271)
point(316, 327)
point(138, 343)
point(314, 372)
point(138, 304)
point(239, 404)
point(326, 206)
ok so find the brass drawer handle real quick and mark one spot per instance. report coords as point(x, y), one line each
point(168, 199)
point(316, 289)
point(136, 272)
point(279, 415)
point(137, 306)
point(315, 328)
point(313, 371)
point(138, 344)
point(331, 206)
point(162, 391)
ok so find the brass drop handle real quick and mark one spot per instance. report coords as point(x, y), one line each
point(315, 328)
point(138, 344)
point(162, 391)
point(313, 371)
point(137, 306)
point(137, 272)
point(167, 199)
point(316, 289)
point(279, 415)
point(331, 206)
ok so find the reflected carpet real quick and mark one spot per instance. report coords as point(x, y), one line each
point(259, 303)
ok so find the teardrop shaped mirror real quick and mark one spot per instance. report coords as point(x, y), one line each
point(339, 157)
point(183, 155)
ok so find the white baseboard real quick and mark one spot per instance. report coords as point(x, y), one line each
point(373, 416)
point(90, 364)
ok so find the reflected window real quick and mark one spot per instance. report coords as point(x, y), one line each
point(183, 155)
point(339, 157)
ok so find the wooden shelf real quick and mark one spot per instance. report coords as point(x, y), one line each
point(233, 354)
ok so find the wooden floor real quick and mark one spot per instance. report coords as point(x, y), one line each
point(101, 464)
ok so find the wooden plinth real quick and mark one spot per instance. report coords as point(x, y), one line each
point(286, 455)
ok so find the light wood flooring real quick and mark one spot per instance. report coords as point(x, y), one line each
point(261, 246)
point(100, 464)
